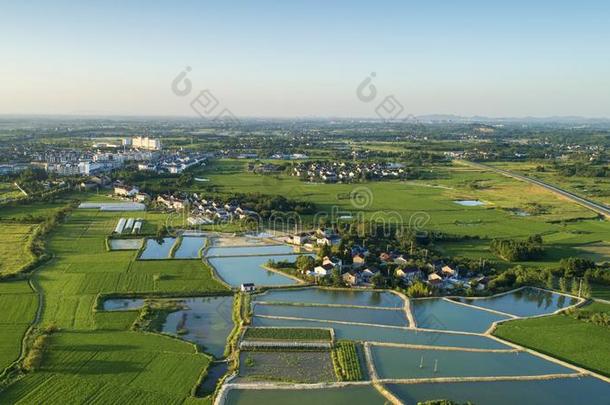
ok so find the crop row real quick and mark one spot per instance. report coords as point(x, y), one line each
point(346, 361)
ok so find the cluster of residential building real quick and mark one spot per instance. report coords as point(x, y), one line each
point(202, 210)
point(332, 172)
point(173, 163)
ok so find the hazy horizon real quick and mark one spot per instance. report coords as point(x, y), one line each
point(307, 59)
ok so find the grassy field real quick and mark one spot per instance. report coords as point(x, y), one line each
point(568, 229)
point(564, 337)
point(595, 188)
point(14, 251)
point(18, 303)
point(9, 191)
point(94, 358)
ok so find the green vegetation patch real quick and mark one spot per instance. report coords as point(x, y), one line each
point(578, 341)
point(287, 366)
point(346, 361)
point(300, 334)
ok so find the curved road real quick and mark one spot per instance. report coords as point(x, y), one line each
point(598, 208)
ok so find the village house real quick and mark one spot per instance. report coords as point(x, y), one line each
point(126, 191)
point(367, 274)
point(448, 272)
point(350, 278)
point(434, 279)
point(247, 287)
point(358, 260)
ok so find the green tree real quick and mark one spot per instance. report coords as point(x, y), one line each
point(305, 263)
point(563, 285)
point(550, 281)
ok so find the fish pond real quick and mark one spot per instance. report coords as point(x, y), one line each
point(559, 391)
point(190, 247)
point(206, 321)
point(438, 313)
point(333, 297)
point(125, 244)
point(248, 269)
point(524, 302)
point(350, 395)
point(157, 249)
point(393, 362)
point(250, 250)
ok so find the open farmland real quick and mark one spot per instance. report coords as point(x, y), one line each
point(14, 247)
point(95, 351)
point(567, 228)
point(18, 303)
point(577, 341)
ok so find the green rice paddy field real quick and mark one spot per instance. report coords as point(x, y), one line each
point(564, 337)
point(14, 251)
point(94, 357)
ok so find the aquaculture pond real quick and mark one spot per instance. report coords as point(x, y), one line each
point(125, 244)
point(524, 302)
point(559, 391)
point(122, 304)
point(389, 335)
point(157, 249)
point(393, 362)
point(190, 247)
point(207, 321)
point(334, 297)
point(350, 395)
point(438, 313)
point(248, 269)
point(393, 317)
point(250, 250)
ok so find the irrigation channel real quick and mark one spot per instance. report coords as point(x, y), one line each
point(410, 350)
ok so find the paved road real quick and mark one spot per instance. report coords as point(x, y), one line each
point(597, 207)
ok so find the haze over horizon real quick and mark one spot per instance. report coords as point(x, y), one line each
point(307, 59)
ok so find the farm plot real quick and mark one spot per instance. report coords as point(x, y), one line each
point(14, 250)
point(290, 334)
point(286, 366)
point(18, 305)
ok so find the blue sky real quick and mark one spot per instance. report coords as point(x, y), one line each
point(306, 58)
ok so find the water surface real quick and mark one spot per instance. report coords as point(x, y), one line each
point(469, 203)
point(392, 362)
point(525, 302)
point(563, 391)
point(207, 322)
point(247, 269)
point(155, 250)
point(354, 395)
point(250, 250)
point(125, 244)
point(122, 304)
point(337, 297)
point(190, 247)
point(444, 315)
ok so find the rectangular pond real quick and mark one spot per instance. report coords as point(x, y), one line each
point(525, 302)
point(393, 317)
point(351, 395)
point(250, 250)
point(469, 203)
point(156, 250)
point(113, 206)
point(334, 297)
point(392, 362)
point(207, 322)
point(125, 244)
point(560, 391)
point(190, 247)
point(248, 269)
point(389, 335)
point(444, 315)
point(122, 304)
